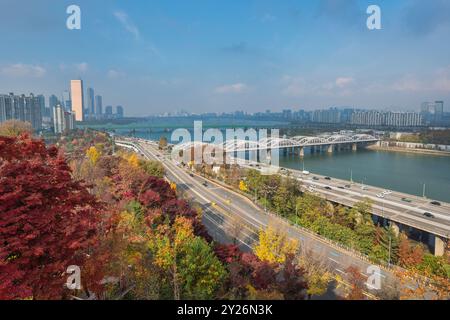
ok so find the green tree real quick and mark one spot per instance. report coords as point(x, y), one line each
point(153, 168)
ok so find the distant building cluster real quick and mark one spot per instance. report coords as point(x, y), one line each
point(90, 106)
point(24, 108)
point(61, 113)
point(433, 113)
point(387, 119)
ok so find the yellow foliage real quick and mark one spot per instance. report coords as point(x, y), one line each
point(173, 186)
point(166, 242)
point(254, 294)
point(274, 246)
point(133, 160)
point(243, 186)
point(93, 155)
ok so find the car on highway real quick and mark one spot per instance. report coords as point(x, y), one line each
point(406, 200)
point(380, 195)
point(348, 186)
point(191, 174)
point(327, 178)
point(341, 187)
point(328, 187)
point(435, 203)
point(428, 215)
point(364, 188)
point(316, 178)
point(205, 184)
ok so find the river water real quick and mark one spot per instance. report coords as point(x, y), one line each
point(404, 172)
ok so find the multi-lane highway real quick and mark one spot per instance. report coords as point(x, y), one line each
point(395, 206)
point(224, 210)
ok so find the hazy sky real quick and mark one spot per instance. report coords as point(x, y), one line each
point(223, 55)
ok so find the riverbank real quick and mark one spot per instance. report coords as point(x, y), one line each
point(410, 150)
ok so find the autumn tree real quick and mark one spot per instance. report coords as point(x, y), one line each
point(189, 261)
point(409, 255)
point(93, 154)
point(274, 246)
point(317, 271)
point(356, 284)
point(162, 143)
point(14, 128)
point(47, 221)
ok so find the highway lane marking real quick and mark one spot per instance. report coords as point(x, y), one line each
point(334, 253)
point(389, 210)
point(296, 230)
point(397, 205)
point(201, 196)
point(335, 261)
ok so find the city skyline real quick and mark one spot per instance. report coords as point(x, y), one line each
point(252, 56)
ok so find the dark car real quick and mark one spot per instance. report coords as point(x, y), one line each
point(327, 178)
point(341, 187)
point(435, 203)
point(191, 174)
point(328, 188)
point(428, 215)
point(348, 186)
point(315, 178)
point(205, 184)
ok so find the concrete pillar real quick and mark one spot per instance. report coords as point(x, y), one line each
point(439, 246)
point(330, 148)
point(395, 228)
point(313, 150)
point(302, 152)
point(354, 147)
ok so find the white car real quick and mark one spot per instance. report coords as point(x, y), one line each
point(380, 195)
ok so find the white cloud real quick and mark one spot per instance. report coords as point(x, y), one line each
point(343, 82)
point(23, 70)
point(114, 74)
point(82, 67)
point(299, 86)
point(128, 24)
point(438, 81)
point(231, 88)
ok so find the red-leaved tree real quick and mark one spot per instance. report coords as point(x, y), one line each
point(47, 221)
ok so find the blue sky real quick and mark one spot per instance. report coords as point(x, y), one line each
point(210, 55)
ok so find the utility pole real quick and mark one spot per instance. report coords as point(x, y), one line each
point(351, 176)
point(423, 190)
point(390, 244)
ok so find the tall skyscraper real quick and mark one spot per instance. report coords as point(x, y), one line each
point(108, 112)
point(119, 112)
point(91, 102)
point(41, 101)
point(76, 93)
point(66, 103)
point(98, 106)
point(52, 102)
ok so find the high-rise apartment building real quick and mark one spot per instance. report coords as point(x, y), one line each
point(90, 102)
point(77, 98)
point(63, 120)
point(98, 106)
point(119, 112)
point(23, 108)
point(432, 112)
point(390, 119)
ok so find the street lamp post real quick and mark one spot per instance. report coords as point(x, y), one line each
point(390, 244)
point(423, 190)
